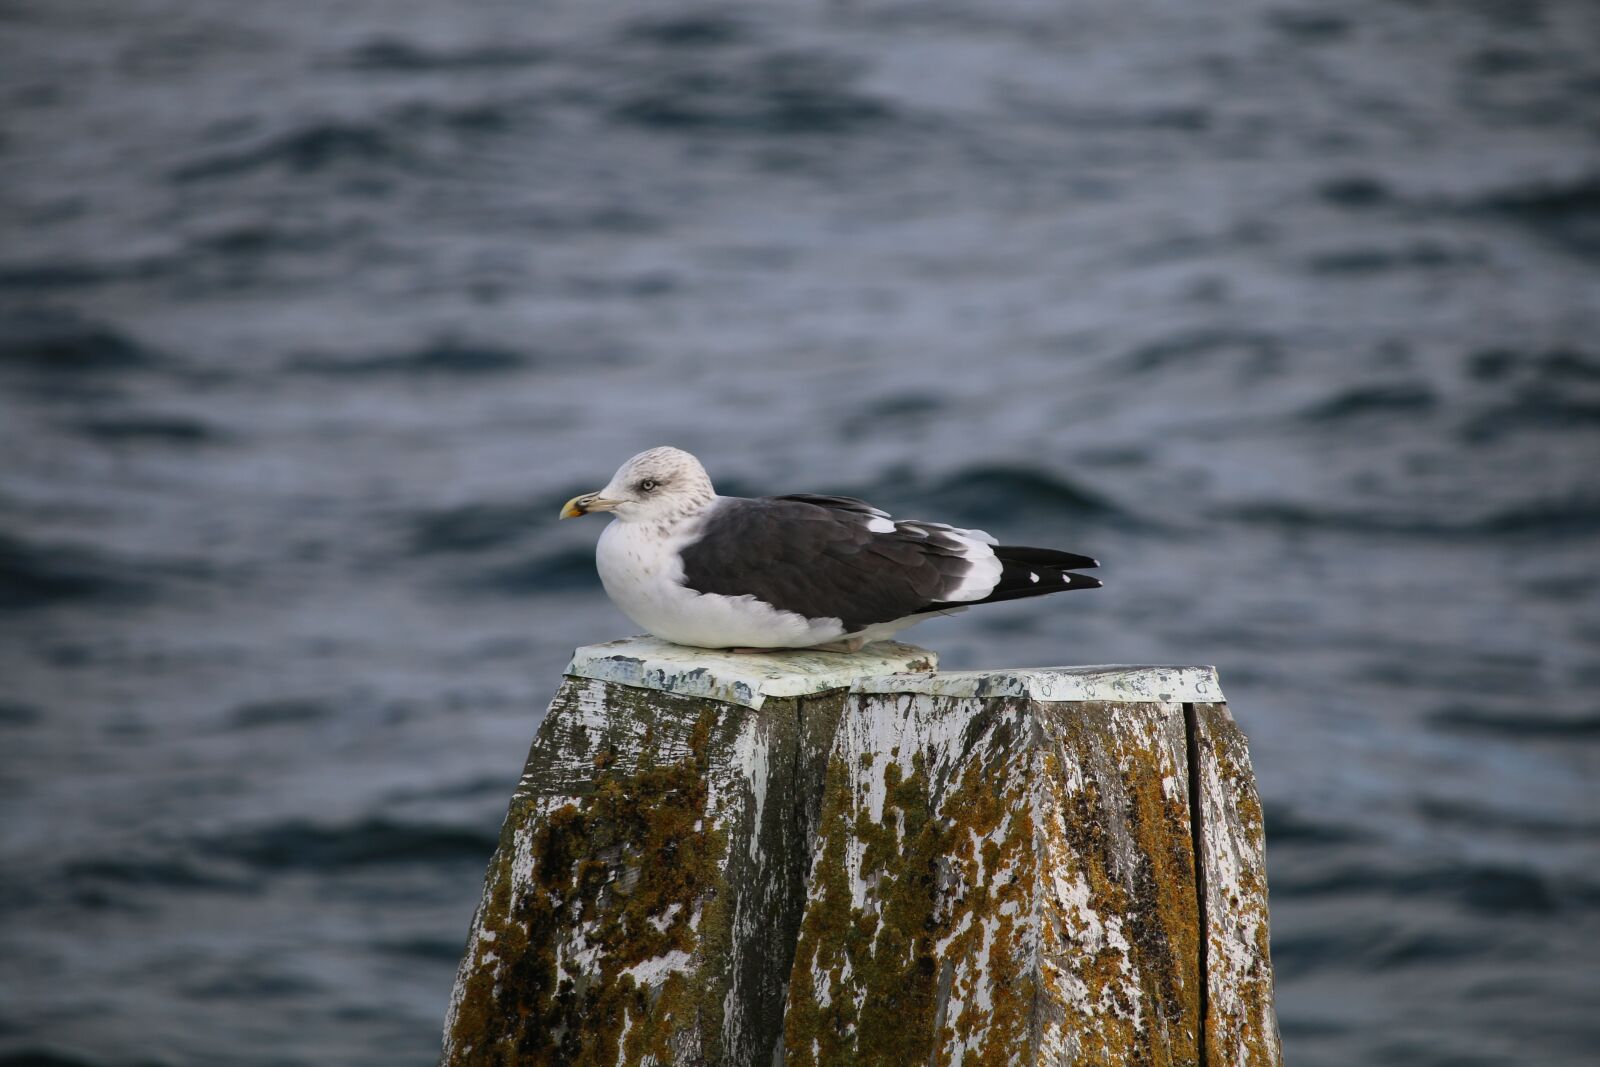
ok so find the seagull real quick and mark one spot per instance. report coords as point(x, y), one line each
point(829, 573)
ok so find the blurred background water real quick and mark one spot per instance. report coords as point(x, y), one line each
point(313, 313)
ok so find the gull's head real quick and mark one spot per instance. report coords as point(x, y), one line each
point(655, 486)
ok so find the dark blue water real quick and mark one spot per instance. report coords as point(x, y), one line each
point(312, 314)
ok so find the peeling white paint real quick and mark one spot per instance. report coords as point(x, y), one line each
point(663, 922)
point(750, 760)
point(962, 927)
point(984, 1000)
point(653, 972)
point(627, 1028)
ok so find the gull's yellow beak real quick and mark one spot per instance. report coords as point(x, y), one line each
point(582, 505)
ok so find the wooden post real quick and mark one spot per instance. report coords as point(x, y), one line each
point(815, 858)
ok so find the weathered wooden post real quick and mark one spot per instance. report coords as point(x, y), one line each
point(815, 858)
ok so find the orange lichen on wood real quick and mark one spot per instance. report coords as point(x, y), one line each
point(936, 875)
point(994, 877)
point(590, 895)
point(604, 935)
point(1241, 1026)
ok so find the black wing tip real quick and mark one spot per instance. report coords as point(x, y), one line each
point(1049, 557)
point(1066, 582)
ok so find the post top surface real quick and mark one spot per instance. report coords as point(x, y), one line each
point(1117, 683)
point(885, 668)
point(741, 678)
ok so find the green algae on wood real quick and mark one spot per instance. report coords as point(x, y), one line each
point(1242, 1027)
point(1000, 881)
point(649, 872)
point(732, 860)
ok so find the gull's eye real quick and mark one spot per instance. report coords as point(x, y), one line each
point(648, 485)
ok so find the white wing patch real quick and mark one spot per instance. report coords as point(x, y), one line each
point(977, 535)
point(985, 573)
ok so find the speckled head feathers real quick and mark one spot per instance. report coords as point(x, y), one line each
point(659, 485)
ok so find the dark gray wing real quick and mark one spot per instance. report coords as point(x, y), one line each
point(818, 557)
point(840, 503)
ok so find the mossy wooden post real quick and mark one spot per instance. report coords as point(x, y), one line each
point(1005, 874)
point(643, 904)
point(850, 860)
